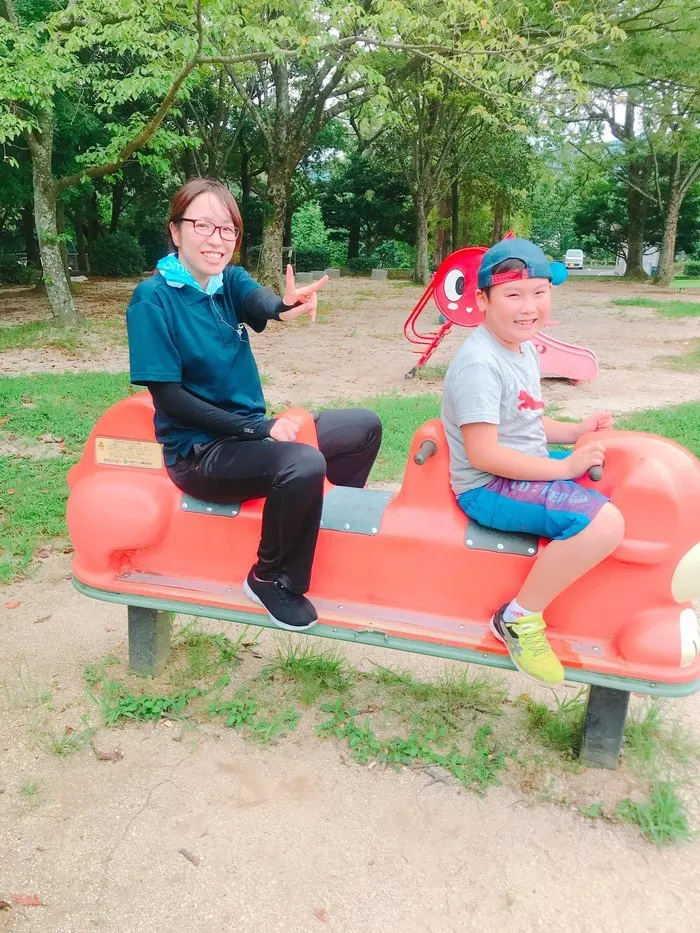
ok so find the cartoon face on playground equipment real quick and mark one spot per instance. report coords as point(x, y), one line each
point(454, 286)
point(406, 564)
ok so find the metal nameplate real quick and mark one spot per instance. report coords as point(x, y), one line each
point(356, 511)
point(481, 538)
point(119, 451)
point(228, 509)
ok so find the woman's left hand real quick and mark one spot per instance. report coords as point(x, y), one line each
point(307, 295)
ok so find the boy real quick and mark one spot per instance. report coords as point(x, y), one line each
point(500, 469)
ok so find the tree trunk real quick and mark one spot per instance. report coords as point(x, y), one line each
point(270, 266)
point(497, 222)
point(443, 235)
point(61, 227)
point(421, 272)
point(354, 238)
point(80, 241)
point(94, 219)
point(636, 221)
point(287, 236)
point(664, 274)
point(245, 199)
point(117, 204)
point(455, 216)
point(55, 278)
point(31, 248)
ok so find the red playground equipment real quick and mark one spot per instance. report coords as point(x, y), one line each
point(404, 570)
point(453, 289)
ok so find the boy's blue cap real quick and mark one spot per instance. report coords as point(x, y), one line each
point(537, 266)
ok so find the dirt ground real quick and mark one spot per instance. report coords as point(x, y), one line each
point(357, 348)
point(296, 837)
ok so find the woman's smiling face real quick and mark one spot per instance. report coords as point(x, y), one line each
point(204, 256)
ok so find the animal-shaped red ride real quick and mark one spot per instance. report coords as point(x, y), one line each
point(405, 569)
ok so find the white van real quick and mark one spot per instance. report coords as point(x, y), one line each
point(574, 259)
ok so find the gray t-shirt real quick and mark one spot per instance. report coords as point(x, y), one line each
point(488, 383)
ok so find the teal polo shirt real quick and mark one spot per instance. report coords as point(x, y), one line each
point(183, 335)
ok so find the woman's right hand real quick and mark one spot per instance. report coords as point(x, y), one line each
point(284, 429)
point(582, 459)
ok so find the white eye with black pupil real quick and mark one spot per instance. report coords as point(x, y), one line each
point(454, 285)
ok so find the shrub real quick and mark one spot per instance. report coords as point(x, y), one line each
point(692, 268)
point(117, 254)
point(312, 258)
point(310, 239)
point(393, 254)
point(13, 272)
point(361, 263)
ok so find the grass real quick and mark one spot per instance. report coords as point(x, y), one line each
point(66, 742)
point(401, 417)
point(478, 768)
point(45, 334)
point(446, 703)
point(29, 789)
point(680, 423)
point(653, 739)
point(560, 728)
point(666, 308)
point(451, 728)
point(314, 671)
point(432, 373)
point(32, 510)
point(685, 283)
point(22, 691)
point(684, 362)
point(662, 818)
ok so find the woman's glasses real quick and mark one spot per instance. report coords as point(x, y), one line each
point(204, 228)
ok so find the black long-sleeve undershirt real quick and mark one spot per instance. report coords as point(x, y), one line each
point(179, 403)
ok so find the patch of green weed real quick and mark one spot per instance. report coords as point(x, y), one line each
point(560, 728)
point(662, 818)
point(314, 671)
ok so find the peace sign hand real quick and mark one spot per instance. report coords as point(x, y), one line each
point(307, 295)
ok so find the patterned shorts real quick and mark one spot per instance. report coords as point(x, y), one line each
point(558, 509)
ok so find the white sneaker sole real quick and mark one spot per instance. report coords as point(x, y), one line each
point(542, 683)
point(288, 628)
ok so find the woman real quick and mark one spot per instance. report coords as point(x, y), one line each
point(189, 345)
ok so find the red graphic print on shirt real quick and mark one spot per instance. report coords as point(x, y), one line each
point(527, 402)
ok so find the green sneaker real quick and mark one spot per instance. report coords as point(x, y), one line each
point(528, 646)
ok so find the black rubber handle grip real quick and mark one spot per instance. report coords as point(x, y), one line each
point(426, 449)
point(595, 474)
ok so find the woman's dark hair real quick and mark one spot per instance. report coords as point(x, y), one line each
point(508, 265)
point(185, 195)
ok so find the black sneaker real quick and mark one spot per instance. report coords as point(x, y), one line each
point(288, 610)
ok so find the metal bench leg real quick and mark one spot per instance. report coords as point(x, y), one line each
point(149, 639)
point(603, 728)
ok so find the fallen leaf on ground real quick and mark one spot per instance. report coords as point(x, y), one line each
point(12, 604)
point(112, 754)
point(11, 492)
point(5, 905)
point(42, 619)
point(26, 900)
point(190, 856)
point(322, 915)
point(43, 552)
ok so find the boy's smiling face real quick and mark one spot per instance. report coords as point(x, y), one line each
point(515, 311)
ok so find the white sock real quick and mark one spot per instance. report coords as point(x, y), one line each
point(514, 610)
